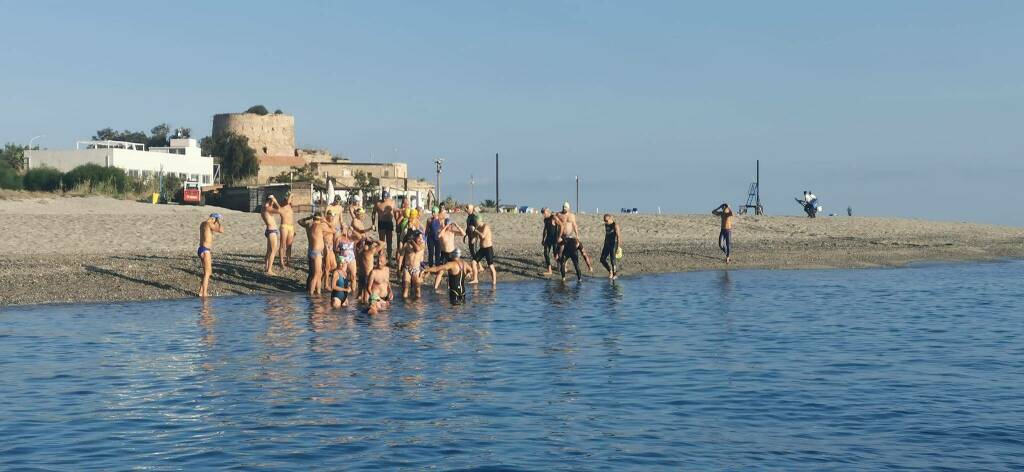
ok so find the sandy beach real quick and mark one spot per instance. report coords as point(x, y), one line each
point(86, 249)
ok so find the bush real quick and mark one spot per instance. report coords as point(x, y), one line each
point(42, 179)
point(111, 179)
point(9, 177)
point(257, 109)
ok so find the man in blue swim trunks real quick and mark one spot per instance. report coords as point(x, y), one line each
point(206, 229)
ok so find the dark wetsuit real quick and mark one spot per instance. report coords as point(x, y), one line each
point(549, 238)
point(471, 223)
point(611, 244)
point(570, 250)
point(457, 286)
point(433, 245)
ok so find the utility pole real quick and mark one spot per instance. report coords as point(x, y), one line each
point(577, 193)
point(437, 189)
point(758, 210)
point(497, 194)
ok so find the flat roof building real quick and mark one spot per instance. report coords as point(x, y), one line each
point(182, 157)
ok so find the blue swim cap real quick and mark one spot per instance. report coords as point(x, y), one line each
point(216, 216)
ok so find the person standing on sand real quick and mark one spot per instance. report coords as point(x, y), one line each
point(358, 227)
point(549, 238)
point(287, 229)
point(611, 246)
point(725, 235)
point(383, 218)
point(570, 236)
point(457, 271)
point(315, 229)
point(485, 253)
point(270, 207)
point(206, 230)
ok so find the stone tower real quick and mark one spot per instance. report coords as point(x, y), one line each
point(269, 135)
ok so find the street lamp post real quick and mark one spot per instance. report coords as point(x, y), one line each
point(35, 138)
point(439, 163)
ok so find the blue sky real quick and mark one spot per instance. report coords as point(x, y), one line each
point(909, 108)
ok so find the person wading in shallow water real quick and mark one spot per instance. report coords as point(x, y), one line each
point(457, 271)
point(315, 229)
point(549, 238)
point(206, 230)
point(611, 246)
point(725, 235)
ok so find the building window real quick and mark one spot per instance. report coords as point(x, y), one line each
point(182, 176)
point(206, 178)
point(194, 177)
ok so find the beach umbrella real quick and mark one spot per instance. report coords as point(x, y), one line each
point(330, 190)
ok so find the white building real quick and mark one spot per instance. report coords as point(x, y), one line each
point(182, 158)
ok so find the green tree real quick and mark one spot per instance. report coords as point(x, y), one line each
point(14, 156)
point(488, 204)
point(158, 136)
point(9, 177)
point(109, 134)
point(278, 112)
point(306, 173)
point(257, 109)
point(367, 184)
point(237, 160)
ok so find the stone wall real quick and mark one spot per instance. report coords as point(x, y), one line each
point(269, 135)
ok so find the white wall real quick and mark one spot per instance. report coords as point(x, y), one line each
point(134, 163)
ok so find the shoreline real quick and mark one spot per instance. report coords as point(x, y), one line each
point(515, 280)
point(86, 250)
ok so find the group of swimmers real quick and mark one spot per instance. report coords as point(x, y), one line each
point(346, 260)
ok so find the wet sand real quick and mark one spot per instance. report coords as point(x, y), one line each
point(85, 249)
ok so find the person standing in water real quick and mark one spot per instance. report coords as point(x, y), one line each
point(549, 238)
point(446, 242)
point(287, 229)
point(270, 208)
point(315, 229)
point(384, 221)
point(411, 260)
point(570, 236)
point(485, 253)
point(206, 230)
point(611, 246)
point(725, 235)
point(457, 271)
point(380, 286)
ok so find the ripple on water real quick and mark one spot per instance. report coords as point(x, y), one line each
point(790, 370)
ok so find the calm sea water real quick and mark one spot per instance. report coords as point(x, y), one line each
point(916, 368)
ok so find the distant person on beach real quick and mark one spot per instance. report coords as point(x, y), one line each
point(457, 271)
point(411, 259)
point(287, 229)
point(446, 243)
point(611, 246)
point(434, 227)
point(206, 230)
point(485, 253)
point(315, 229)
point(725, 235)
point(270, 207)
point(383, 219)
point(549, 238)
point(379, 289)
